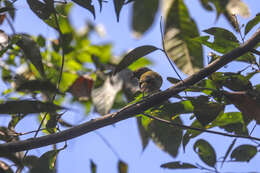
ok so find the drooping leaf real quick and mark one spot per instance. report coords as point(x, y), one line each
point(37, 85)
point(46, 163)
point(180, 28)
point(87, 5)
point(27, 106)
point(252, 23)
point(82, 87)
point(248, 105)
point(206, 152)
point(143, 16)
point(178, 165)
point(244, 153)
point(31, 52)
point(206, 111)
point(122, 167)
point(118, 4)
point(93, 167)
point(144, 135)
point(41, 9)
point(103, 97)
point(166, 137)
point(134, 55)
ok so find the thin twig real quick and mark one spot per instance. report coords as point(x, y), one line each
point(255, 51)
point(165, 52)
point(10, 24)
point(199, 129)
point(108, 144)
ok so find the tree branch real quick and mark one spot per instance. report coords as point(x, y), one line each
point(134, 109)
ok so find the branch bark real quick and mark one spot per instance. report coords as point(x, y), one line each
point(134, 109)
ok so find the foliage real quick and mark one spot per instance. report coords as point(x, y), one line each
point(53, 72)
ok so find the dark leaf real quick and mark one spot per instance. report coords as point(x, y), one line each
point(178, 165)
point(87, 4)
point(100, 5)
point(252, 23)
point(93, 167)
point(143, 15)
point(122, 167)
point(144, 135)
point(247, 104)
point(166, 137)
point(179, 30)
point(41, 9)
point(173, 80)
point(118, 4)
point(134, 55)
point(206, 5)
point(221, 33)
point(27, 106)
point(5, 9)
point(46, 163)
point(206, 111)
point(82, 87)
point(30, 161)
point(4, 168)
point(244, 153)
point(31, 52)
point(206, 152)
point(9, 4)
point(37, 85)
point(14, 121)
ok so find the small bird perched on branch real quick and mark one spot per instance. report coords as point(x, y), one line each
point(149, 81)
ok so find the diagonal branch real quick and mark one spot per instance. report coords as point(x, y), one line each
point(134, 109)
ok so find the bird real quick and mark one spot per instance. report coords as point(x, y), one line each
point(149, 80)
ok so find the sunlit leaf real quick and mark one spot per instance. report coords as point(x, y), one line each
point(180, 28)
point(178, 165)
point(103, 97)
point(27, 106)
point(252, 23)
point(237, 7)
point(244, 153)
point(143, 15)
point(5, 168)
point(206, 152)
point(3, 40)
point(134, 55)
point(122, 167)
point(87, 5)
point(31, 52)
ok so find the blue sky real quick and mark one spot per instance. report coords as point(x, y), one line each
point(124, 135)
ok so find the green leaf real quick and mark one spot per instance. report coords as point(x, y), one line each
point(206, 111)
point(27, 106)
point(31, 52)
point(46, 163)
point(87, 5)
point(133, 56)
point(122, 167)
point(179, 30)
point(93, 167)
point(144, 135)
point(143, 15)
point(252, 23)
point(244, 153)
point(178, 165)
point(206, 152)
point(118, 4)
point(221, 33)
point(166, 137)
